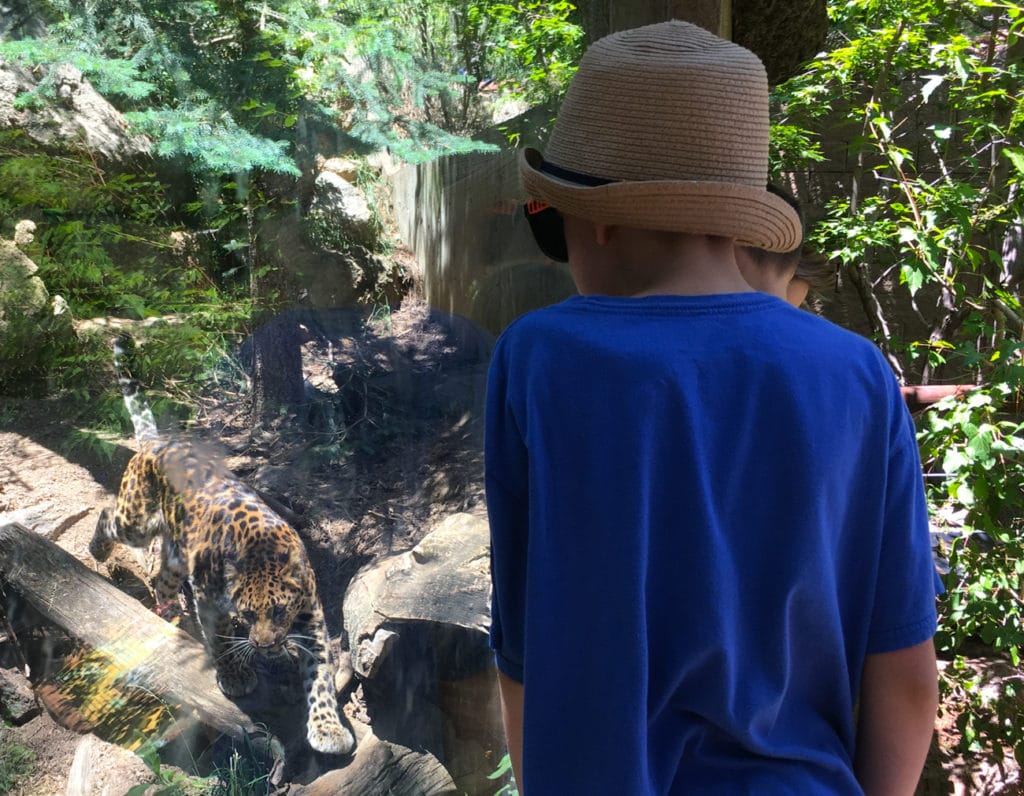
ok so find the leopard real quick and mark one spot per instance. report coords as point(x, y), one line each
point(251, 585)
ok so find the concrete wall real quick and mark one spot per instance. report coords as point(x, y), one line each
point(462, 218)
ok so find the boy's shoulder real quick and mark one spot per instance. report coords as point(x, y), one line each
point(745, 330)
point(746, 311)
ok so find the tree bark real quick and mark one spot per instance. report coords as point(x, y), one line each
point(783, 33)
point(276, 368)
point(601, 17)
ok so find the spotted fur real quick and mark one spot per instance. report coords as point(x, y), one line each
point(253, 588)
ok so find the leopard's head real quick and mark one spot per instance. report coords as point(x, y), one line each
point(268, 592)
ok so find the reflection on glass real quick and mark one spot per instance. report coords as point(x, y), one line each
point(254, 261)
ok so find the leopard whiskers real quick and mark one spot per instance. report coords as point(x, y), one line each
point(302, 648)
point(239, 648)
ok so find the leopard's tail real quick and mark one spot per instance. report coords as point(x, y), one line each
point(134, 398)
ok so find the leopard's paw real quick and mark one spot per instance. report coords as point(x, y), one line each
point(328, 735)
point(237, 682)
point(169, 610)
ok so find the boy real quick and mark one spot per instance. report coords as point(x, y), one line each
point(788, 275)
point(708, 528)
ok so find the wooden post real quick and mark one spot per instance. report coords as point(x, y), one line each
point(713, 15)
point(602, 17)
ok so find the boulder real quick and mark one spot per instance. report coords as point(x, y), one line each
point(444, 580)
point(23, 292)
point(79, 115)
point(339, 213)
point(346, 168)
point(18, 703)
point(417, 625)
point(30, 320)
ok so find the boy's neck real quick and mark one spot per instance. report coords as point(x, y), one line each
point(634, 263)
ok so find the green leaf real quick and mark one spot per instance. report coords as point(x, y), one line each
point(1016, 156)
point(912, 277)
point(932, 83)
point(953, 461)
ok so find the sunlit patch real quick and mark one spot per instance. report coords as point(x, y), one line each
point(94, 692)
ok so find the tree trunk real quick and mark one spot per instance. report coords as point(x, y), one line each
point(601, 17)
point(276, 365)
point(276, 368)
point(783, 33)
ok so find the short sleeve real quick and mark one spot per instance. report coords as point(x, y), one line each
point(904, 606)
point(506, 480)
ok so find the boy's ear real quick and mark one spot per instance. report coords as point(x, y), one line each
point(602, 234)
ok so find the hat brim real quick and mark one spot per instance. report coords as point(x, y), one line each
point(750, 216)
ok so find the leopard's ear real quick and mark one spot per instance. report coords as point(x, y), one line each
point(230, 571)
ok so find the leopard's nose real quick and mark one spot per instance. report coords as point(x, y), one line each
point(264, 642)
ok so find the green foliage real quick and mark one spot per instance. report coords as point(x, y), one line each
point(110, 76)
point(212, 140)
point(17, 761)
point(233, 86)
point(103, 242)
point(166, 781)
point(927, 94)
point(84, 217)
point(979, 448)
point(535, 46)
point(241, 776)
point(503, 773)
point(246, 771)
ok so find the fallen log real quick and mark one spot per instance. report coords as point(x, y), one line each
point(383, 767)
point(156, 654)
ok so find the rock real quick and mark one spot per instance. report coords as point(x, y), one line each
point(17, 701)
point(22, 290)
point(417, 623)
point(383, 163)
point(29, 319)
point(339, 213)
point(80, 116)
point(372, 651)
point(443, 580)
point(345, 168)
point(381, 767)
point(24, 232)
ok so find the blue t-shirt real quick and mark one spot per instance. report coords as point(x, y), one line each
point(705, 511)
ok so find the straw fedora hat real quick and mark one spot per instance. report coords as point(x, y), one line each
point(665, 127)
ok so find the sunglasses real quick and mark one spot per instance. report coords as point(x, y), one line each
point(548, 229)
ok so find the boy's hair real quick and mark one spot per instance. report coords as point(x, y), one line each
point(816, 270)
point(803, 262)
